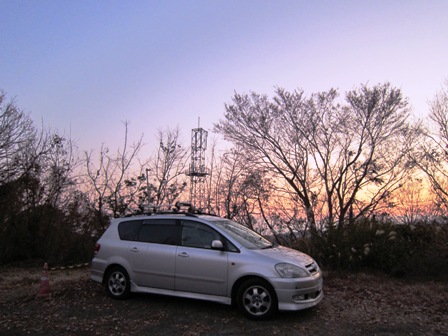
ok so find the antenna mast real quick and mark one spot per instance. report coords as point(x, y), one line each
point(197, 170)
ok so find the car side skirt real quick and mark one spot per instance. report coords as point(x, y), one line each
point(220, 299)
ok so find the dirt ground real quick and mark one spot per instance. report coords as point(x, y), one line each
point(354, 304)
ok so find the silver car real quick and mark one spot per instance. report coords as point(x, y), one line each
point(204, 257)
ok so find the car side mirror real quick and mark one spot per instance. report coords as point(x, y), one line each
point(217, 245)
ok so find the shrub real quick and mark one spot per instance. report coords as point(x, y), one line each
point(419, 249)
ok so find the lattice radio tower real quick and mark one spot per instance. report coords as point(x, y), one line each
point(197, 170)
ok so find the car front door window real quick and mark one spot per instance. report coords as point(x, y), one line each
point(198, 235)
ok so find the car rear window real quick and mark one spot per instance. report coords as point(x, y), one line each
point(128, 230)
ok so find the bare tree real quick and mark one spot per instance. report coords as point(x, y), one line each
point(108, 179)
point(166, 172)
point(211, 190)
point(413, 203)
point(255, 124)
point(61, 169)
point(237, 186)
point(16, 134)
point(432, 158)
point(36, 186)
point(42, 155)
point(363, 158)
point(349, 157)
point(238, 189)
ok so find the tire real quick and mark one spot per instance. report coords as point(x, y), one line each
point(118, 285)
point(256, 299)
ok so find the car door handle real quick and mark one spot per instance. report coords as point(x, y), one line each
point(183, 255)
point(134, 249)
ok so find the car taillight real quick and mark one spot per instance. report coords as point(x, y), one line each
point(97, 248)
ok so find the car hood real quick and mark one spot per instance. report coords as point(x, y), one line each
point(284, 254)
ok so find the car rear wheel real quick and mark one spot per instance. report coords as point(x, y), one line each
point(256, 299)
point(118, 285)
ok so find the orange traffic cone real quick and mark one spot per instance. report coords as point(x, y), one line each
point(44, 290)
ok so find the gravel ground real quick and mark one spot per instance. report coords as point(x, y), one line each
point(354, 304)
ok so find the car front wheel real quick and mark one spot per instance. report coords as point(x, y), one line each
point(117, 283)
point(256, 299)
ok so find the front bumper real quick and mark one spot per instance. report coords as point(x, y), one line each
point(298, 294)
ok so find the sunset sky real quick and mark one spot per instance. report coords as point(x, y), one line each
point(83, 67)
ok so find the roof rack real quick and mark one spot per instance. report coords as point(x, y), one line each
point(179, 207)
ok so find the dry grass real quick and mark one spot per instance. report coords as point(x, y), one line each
point(354, 304)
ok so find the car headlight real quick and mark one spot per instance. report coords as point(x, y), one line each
point(290, 271)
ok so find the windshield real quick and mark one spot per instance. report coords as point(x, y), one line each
point(245, 236)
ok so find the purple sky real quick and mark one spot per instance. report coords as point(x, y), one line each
point(85, 66)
